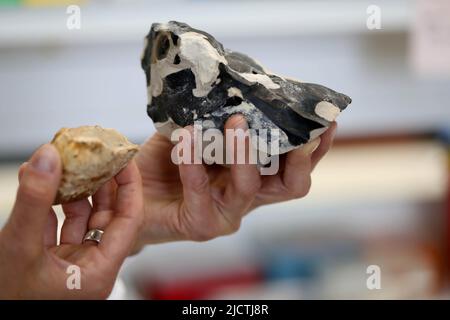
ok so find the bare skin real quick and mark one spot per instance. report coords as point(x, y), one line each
point(34, 266)
point(200, 202)
point(185, 202)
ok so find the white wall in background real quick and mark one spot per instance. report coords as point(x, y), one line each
point(45, 88)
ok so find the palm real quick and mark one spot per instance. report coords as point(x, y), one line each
point(74, 253)
point(46, 267)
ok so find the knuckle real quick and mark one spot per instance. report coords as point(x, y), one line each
point(32, 191)
point(301, 190)
point(234, 227)
point(140, 221)
point(200, 184)
point(207, 234)
point(204, 235)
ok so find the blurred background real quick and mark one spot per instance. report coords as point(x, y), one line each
point(380, 197)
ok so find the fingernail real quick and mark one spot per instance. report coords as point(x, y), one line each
point(44, 159)
point(239, 122)
point(312, 146)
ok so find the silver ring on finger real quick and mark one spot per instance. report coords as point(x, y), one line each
point(93, 235)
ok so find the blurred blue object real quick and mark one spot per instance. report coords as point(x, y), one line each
point(306, 262)
point(444, 135)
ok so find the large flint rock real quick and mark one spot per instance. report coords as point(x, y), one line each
point(191, 77)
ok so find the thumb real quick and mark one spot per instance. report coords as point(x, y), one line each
point(37, 190)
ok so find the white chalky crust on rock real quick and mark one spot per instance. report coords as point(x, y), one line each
point(90, 157)
point(192, 77)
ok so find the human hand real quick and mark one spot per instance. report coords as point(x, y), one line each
point(33, 266)
point(200, 202)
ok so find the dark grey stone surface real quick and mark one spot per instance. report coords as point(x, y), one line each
point(192, 77)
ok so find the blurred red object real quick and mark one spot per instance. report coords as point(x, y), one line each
point(200, 286)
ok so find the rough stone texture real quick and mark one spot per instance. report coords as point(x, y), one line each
point(191, 77)
point(90, 156)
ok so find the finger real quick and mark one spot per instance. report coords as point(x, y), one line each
point(195, 180)
point(103, 205)
point(245, 178)
point(327, 139)
point(100, 219)
point(21, 170)
point(39, 182)
point(154, 152)
point(297, 170)
point(120, 233)
point(75, 223)
point(105, 197)
point(50, 236)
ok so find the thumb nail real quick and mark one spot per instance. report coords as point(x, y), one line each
point(45, 159)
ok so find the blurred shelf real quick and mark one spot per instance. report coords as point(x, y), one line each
point(363, 189)
point(118, 23)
